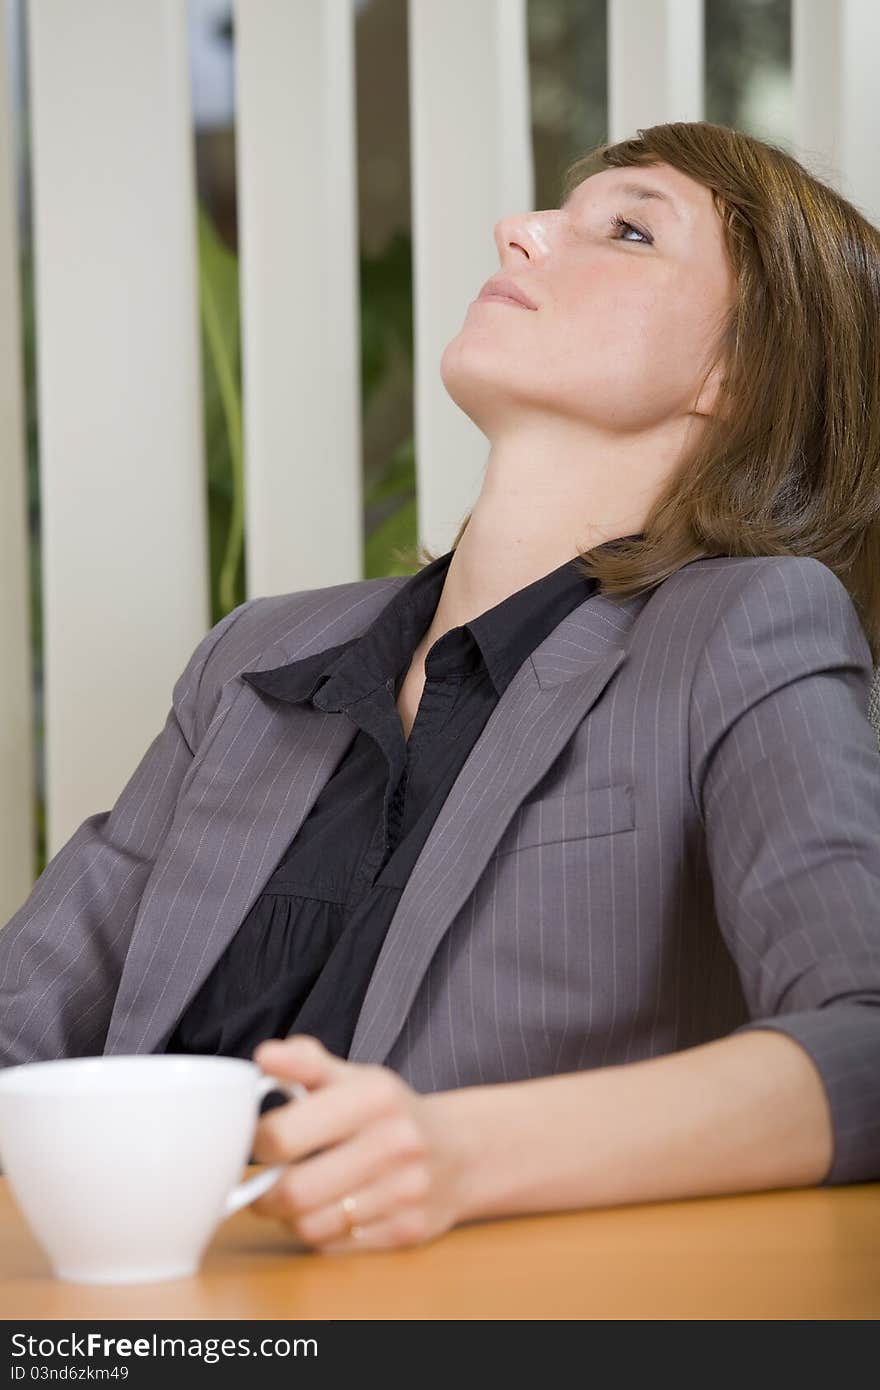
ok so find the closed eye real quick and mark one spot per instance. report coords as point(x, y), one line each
point(618, 221)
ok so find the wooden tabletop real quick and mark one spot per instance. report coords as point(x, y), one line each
point(799, 1253)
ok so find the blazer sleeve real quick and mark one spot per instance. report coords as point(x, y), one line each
point(61, 954)
point(786, 774)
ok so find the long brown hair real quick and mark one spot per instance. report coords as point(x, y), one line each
point(790, 462)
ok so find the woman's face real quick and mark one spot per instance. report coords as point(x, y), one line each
point(626, 318)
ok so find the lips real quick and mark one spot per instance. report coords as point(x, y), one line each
point(503, 288)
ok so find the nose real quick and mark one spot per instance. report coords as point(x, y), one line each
point(523, 235)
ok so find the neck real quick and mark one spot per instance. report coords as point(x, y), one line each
point(537, 510)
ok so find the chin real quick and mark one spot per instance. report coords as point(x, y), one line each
point(476, 376)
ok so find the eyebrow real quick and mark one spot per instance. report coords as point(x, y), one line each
point(639, 190)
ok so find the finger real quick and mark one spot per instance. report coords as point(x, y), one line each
point(328, 1116)
point(315, 1183)
point(272, 1203)
point(408, 1225)
point(377, 1201)
point(301, 1057)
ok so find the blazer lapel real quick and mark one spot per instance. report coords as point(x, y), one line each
point(548, 697)
point(248, 793)
point(233, 822)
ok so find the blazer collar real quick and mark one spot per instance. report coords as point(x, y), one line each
point(505, 634)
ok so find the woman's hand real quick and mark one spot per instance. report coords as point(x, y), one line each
point(391, 1149)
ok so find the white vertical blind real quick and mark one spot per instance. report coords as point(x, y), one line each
point(298, 244)
point(655, 64)
point(471, 155)
point(835, 48)
point(125, 577)
point(836, 126)
point(816, 79)
point(16, 713)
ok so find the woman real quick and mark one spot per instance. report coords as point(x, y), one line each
point(551, 870)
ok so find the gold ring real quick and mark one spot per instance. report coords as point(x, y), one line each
point(348, 1207)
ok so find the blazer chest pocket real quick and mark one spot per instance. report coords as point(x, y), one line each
point(596, 811)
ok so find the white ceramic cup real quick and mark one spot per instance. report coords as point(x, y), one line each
point(123, 1167)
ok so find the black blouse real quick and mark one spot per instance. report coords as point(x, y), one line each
point(302, 958)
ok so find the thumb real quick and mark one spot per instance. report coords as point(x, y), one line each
point(300, 1057)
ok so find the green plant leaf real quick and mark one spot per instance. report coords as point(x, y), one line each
point(397, 532)
point(219, 304)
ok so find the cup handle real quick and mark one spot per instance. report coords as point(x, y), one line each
point(254, 1187)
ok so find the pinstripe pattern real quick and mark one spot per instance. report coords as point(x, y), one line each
point(668, 830)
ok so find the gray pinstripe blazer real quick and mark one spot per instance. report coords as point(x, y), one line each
point(668, 830)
